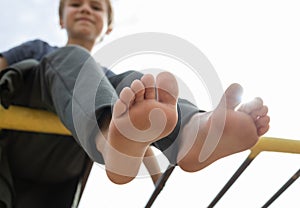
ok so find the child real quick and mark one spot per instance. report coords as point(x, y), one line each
point(88, 21)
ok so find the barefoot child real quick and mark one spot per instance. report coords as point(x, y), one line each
point(58, 179)
point(144, 97)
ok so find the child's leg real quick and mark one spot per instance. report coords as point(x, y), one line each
point(54, 85)
point(145, 113)
point(62, 84)
point(241, 131)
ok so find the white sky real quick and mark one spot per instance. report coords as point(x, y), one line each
point(255, 43)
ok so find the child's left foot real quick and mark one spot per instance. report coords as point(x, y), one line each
point(242, 128)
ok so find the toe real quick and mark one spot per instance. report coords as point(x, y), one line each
point(167, 88)
point(262, 121)
point(255, 114)
point(119, 109)
point(139, 90)
point(251, 106)
point(127, 96)
point(232, 96)
point(261, 131)
point(262, 125)
point(149, 84)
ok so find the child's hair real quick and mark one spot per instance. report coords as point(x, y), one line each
point(110, 15)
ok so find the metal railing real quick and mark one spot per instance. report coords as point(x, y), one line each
point(265, 144)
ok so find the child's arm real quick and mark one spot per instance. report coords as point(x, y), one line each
point(152, 165)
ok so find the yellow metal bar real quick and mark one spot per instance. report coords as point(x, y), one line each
point(27, 119)
point(272, 144)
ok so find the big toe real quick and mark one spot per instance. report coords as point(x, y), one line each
point(167, 88)
point(232, 96)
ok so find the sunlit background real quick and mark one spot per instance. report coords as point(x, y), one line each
point(255, 43)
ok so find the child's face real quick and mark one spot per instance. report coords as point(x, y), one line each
point(85, 19)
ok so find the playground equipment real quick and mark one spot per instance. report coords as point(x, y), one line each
point(26, 119)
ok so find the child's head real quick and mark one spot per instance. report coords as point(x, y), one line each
point(110, 14)
point(86, 19)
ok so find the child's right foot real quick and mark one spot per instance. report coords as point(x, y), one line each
point(147, 111)
point(144, 113)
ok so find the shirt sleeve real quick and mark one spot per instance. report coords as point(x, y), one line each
point(34, 49)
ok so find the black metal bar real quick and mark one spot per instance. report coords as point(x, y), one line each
point(241, 169)
point(160, 185)
point(282, 189)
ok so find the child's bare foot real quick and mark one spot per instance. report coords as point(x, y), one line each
point(242, 128)
point(144, 113)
